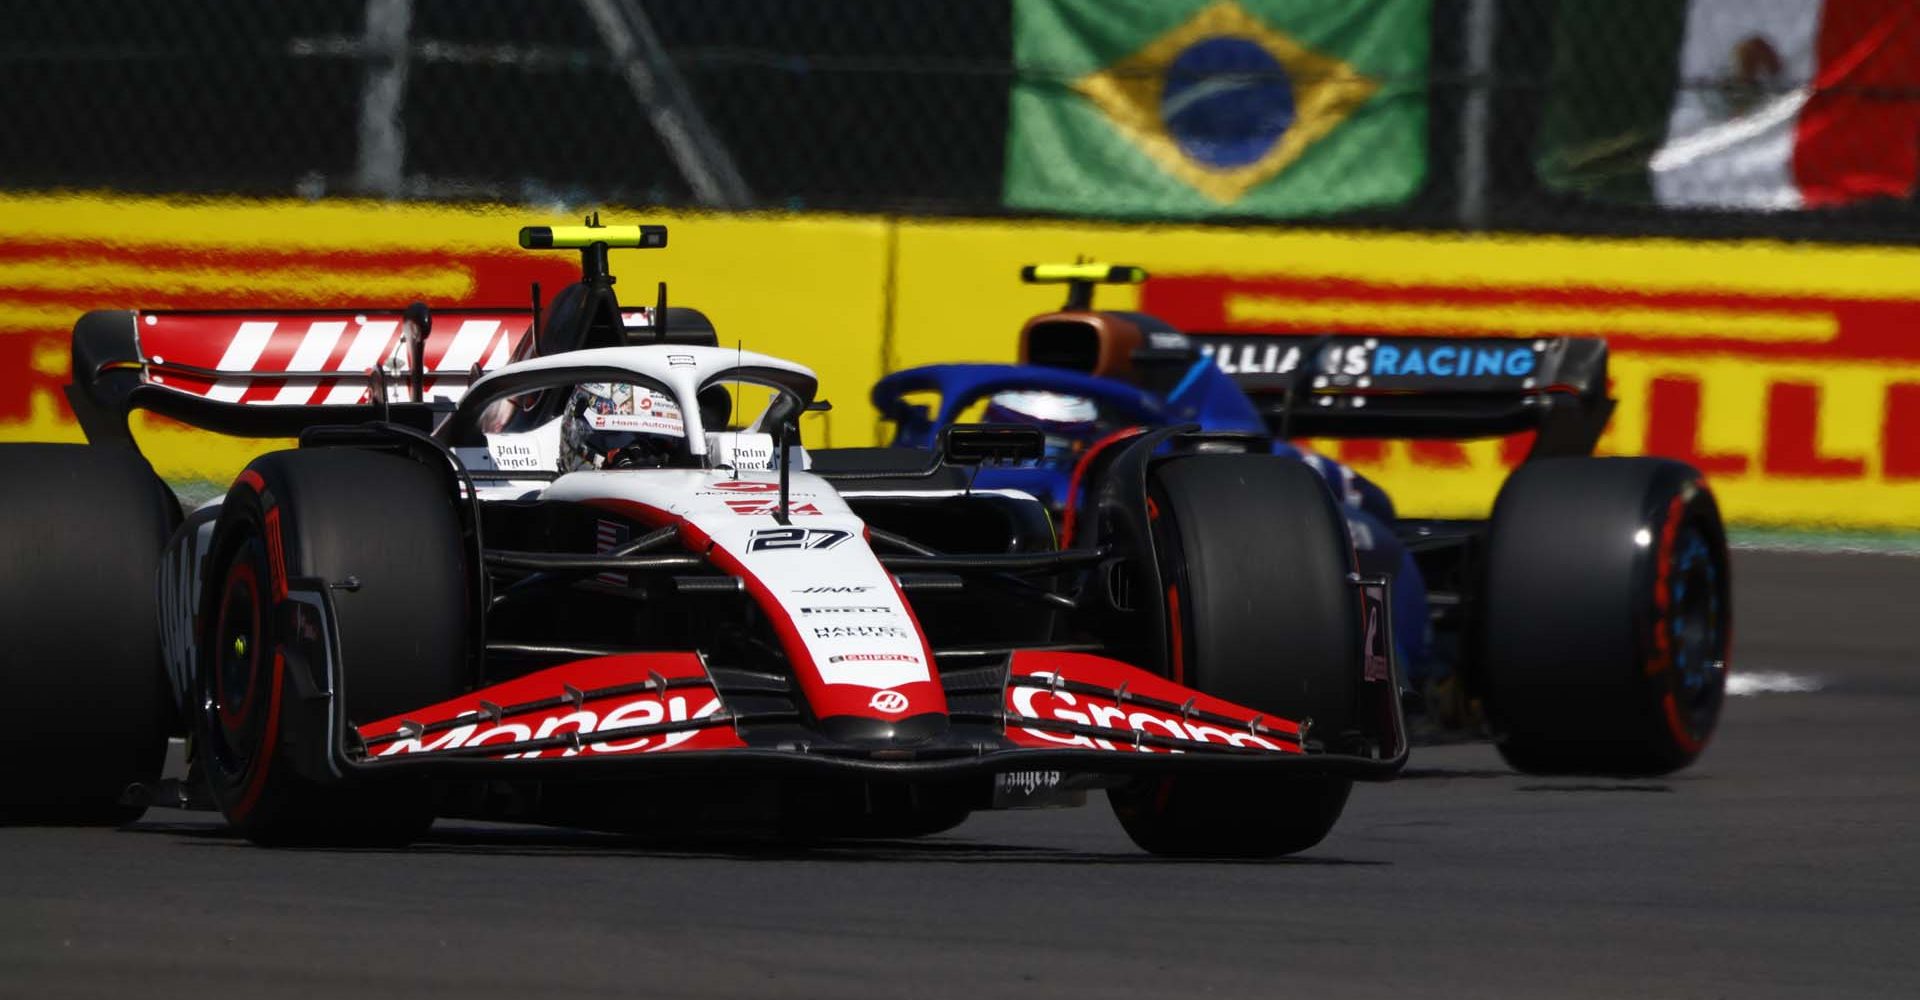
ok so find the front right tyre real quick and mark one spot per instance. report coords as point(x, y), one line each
point(1255, 558)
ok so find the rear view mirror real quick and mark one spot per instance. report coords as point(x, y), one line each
point(983, 444)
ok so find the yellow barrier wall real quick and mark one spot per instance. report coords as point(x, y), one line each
point(1790, 373)
point(808, 288)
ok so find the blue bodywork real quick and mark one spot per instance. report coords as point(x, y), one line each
point(1203, 395)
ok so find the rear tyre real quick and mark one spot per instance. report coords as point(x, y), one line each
point(84, 707)
point(1255, 557)
point(389, 524)
point(1607, 615)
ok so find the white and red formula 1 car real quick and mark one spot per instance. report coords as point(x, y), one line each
point(537, 567)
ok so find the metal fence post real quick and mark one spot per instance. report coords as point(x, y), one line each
point(383, 140)
point(702, 158)
point(1476, 115)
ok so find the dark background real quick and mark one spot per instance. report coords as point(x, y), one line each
point(862, 105)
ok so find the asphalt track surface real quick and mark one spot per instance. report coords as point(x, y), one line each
point(1784, 864)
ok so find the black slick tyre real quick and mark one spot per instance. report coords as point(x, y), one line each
point(386, 526)
point(1255, 558)
point(1606, 616)
point(84, 708)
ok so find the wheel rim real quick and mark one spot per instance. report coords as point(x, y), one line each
point(1693, 631)
point(231, 689)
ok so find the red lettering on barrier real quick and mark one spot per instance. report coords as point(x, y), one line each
point(1362, 451)
point(1673, 427)
point(1793, 436)
point(17, 352)
point(495, 278)
point(1864, 328)
point(1900, 434)
point(1514, 448)
point(1438, 454)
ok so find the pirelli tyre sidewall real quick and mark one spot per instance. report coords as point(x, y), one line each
point(1606, 616)
point(381, 531)
point(84, 709)
point(1254, 558)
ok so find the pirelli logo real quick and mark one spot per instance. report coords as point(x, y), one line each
point(47, 284)
point(1791, 401)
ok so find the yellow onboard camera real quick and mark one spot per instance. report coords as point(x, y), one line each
point(1080, 278)
point(581, 237)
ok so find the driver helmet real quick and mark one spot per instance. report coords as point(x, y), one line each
point(614, 425)
point(1069, 422)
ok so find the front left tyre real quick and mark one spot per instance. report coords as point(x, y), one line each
point(1607, 616)
point(383, 534)
point(84, 709)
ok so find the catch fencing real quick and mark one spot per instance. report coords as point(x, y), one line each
point(1715, 118)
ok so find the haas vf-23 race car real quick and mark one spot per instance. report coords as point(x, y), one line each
point(537, 567)
point(1585, 623)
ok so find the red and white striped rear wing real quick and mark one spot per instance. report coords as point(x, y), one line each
point(322, 359)
point(277, 373)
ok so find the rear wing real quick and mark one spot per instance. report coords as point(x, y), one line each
point(276, 373)
point(1377, 386)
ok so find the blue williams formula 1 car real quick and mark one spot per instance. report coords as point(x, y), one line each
point(1585, 624)
point(531, 565)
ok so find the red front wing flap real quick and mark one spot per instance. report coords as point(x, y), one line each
point(636, 703)
point(1048, 703)
point(1056, 700)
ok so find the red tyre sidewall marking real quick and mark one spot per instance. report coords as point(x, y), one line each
point(1176, 633)
point(269, 744)
point(276, 555)
point(1070, 517)
point(1678, 726)
point(256, 780)
point(1662, 660)
point(1176, 627)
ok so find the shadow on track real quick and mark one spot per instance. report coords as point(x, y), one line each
point(1592, 786)
point(1538, 783)
point(1440, 773)
point(558, 842)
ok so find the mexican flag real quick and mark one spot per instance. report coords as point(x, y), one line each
point(1195, 108)
point(1735, 104)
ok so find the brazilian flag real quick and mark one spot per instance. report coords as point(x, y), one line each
point(1196, 108)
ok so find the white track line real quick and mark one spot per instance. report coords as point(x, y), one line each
point(1827, 547)
point(1770, 682)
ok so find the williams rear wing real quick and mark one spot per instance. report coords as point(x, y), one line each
point(1378, 386)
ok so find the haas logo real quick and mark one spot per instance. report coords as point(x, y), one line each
point(890, 702)
point(757, 507)
point(744, 486)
